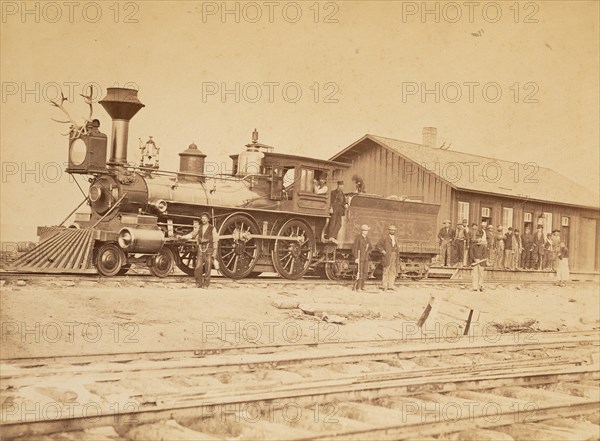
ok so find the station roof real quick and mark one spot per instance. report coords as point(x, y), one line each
point(465, 171)
point(291, 160)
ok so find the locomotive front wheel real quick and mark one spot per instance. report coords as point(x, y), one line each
point(109, 259)
point(162, 263)
point(238, 254)
point(187, 257)
point(292, 257)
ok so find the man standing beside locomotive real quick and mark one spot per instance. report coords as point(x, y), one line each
point(207, 240)
point(361, 249)
point(388, 246)
point(337, 210)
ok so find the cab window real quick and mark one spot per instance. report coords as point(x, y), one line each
point(306, 180)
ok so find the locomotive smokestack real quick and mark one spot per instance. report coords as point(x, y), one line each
point(121, 104)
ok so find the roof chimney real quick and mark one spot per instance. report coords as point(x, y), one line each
point(430, 137)
point(121, 104)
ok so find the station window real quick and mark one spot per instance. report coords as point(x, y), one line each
point(463, 212)
point(486, 215)
point(528, 222)
point(507, 217)
point(564, 230)
point(547, 222)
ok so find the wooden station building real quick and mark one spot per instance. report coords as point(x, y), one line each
point(479, 188)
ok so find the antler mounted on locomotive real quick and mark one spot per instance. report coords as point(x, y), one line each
point(266, 213)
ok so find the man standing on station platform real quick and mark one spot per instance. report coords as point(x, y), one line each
point(446, 236)
point(478, 253)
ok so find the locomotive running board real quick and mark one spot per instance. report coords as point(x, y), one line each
point(60, 250)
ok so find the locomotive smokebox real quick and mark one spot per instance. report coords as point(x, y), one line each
point(122, 105)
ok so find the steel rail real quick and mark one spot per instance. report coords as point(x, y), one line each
point(11, 275)
point(566, 336)
point(360, 388)
point(252, 362)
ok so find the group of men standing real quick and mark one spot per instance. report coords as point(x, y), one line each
point(504, 249)
point(387, 246)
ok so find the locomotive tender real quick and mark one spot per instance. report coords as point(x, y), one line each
point(267, 216)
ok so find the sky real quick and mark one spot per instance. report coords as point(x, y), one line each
point(516, 81)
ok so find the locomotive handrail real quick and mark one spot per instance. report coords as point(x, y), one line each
point(179, 240)
point(198, 175)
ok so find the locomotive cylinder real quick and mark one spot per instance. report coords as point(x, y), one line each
point(121, 104)
point(137, 240)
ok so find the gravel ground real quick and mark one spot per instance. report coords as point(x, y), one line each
point(54, 317)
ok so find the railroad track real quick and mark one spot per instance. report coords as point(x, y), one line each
point(347, 390)
point(12, 277)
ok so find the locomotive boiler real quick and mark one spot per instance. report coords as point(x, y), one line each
point(266, 213)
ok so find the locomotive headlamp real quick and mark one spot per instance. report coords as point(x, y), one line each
point(87, 152)
point(77, 151)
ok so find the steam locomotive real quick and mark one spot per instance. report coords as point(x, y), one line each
point(267, 216)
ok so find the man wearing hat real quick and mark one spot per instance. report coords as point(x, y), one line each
point(460, 242)
point(446, 236)
point(466, 251)
point(478, 252)
point(320, 186)
point(529, 249)
point(500, 241)
point(539, 239)
point(508, 250)
point(491, 245)
point(337, 210)
point(361, 249)
point(388, 246)
point(207, 240)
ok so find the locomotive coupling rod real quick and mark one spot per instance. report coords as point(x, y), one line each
point(264, 236)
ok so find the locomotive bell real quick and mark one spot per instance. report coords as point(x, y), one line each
point(191, 161)
point(121, 104)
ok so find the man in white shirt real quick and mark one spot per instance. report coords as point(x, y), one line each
point(207, 240)
point(320, 187)
point(388, 247)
